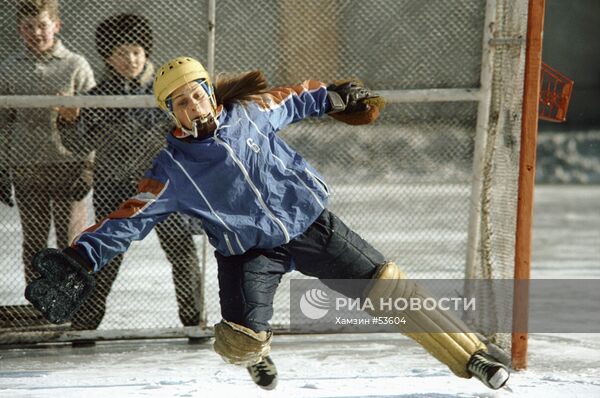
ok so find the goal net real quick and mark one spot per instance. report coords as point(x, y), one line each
point(432, 184)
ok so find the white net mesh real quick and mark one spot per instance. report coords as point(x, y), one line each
point(405, 183)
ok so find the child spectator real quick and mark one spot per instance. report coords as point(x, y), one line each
point(49, 180)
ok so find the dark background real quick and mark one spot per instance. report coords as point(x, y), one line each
point(571, 34)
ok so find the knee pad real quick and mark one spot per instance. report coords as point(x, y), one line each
point(452, 349)
point(240, 345)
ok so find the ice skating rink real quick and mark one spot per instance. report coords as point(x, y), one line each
point(365, 365)
point(566, 245)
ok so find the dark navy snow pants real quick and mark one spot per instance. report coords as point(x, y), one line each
point(328, 249)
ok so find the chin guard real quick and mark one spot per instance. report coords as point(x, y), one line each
point(204, 125)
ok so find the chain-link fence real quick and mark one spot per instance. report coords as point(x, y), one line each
point(419, 184)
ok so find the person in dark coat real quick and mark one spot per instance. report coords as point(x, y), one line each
point(126, 140)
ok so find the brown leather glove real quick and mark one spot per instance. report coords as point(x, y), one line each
point(353, 104)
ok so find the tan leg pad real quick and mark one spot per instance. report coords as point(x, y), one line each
point(240, 345)
point(452, 349)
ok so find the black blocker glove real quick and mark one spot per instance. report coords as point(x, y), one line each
point(65, 282)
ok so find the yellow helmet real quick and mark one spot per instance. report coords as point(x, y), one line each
point(176, 73)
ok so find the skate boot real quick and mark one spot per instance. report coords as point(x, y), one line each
point(264, 373)
point(487, 369)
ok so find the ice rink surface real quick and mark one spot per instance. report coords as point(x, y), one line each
point(566, 245)
point(366, 365)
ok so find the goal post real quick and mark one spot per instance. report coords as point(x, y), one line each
point(529, 131)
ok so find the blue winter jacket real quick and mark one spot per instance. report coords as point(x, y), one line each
point(248, 188)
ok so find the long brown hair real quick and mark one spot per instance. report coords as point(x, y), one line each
point(240, 87)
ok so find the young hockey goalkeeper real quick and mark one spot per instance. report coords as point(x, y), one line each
point(263, 208)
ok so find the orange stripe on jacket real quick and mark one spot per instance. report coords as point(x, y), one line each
point(128, 209)
point(154, 187)
point(131, 206)
point(134, 205)
point(276, 96)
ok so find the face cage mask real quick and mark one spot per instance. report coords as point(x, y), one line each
point(204, 125)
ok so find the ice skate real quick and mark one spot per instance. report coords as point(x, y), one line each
point(487, 369)
point(264, 373)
